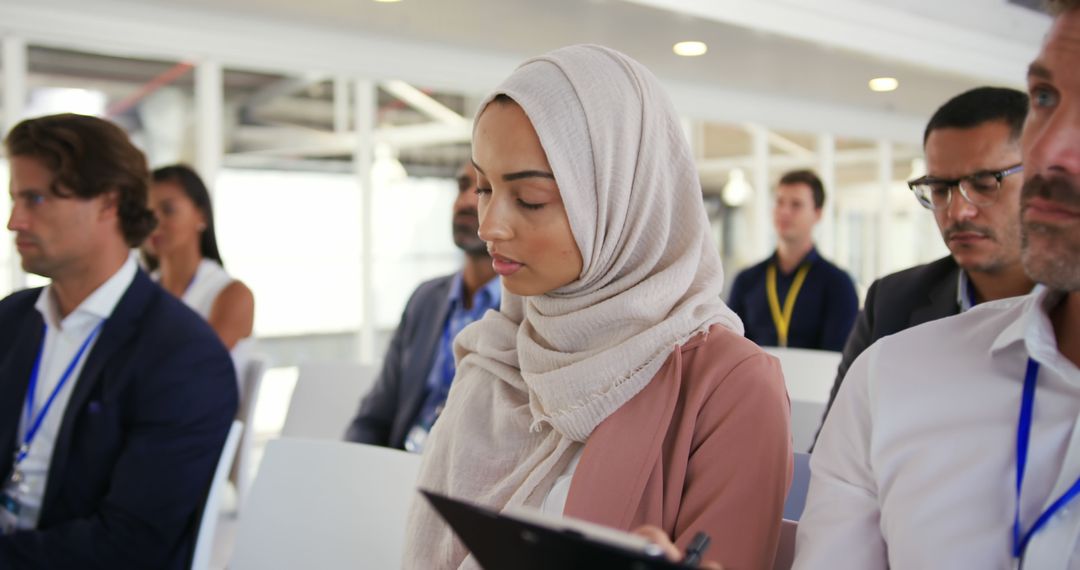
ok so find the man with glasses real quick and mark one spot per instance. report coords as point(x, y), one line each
point(972, 146)
point(955, 444)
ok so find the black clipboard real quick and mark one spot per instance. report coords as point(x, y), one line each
point(521, 541)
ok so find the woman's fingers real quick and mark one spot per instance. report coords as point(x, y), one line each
point(659, 538)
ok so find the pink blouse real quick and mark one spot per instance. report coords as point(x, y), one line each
point(706, 446)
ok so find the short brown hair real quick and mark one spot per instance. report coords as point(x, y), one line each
point(811, 180)
point(1059, 7)
point(90, 157)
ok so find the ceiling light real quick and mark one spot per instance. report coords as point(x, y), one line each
point(387, 1)
point(736, 190)
point(690, 49)
point(386, 169)
point(883, 84)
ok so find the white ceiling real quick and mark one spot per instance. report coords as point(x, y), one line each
point(751, 50)
point(790, 64)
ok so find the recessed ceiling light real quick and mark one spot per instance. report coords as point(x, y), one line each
point(883, 84)
point(387, 1)
point(690, 49)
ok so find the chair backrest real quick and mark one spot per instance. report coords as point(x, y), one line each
point(809, 375)
point(204, 541)
point(800, 483)
point(251, 385)
point(785, 551)
point(326, 504)
point(326, 398)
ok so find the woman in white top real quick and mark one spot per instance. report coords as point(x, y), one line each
point(182, 252)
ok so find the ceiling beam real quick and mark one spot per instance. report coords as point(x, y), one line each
point(783, 144)
point(720, 167)
point(299, 141)
point(423, 102)
point(279, 89)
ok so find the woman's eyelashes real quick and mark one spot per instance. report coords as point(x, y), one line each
point(484, 191)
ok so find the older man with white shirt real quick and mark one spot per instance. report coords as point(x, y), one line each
point(956, 444)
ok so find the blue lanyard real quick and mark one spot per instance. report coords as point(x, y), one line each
point(37, 420)
point(1023, 435)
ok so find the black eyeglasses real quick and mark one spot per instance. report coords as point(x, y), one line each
point(980, 189)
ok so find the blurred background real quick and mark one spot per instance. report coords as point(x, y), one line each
point(329, 131)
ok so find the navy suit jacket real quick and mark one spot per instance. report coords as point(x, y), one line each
point(389, 410)
point(823, 313)
point(139, 440)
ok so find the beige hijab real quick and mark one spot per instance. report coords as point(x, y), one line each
point(534, 379)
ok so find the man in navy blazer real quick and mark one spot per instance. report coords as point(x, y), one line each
point(115, 398)
point(419, 364)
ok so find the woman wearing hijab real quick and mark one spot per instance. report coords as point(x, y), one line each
point(613, 385)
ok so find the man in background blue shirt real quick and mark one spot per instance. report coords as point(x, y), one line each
point(796, 298)
point(418, 368)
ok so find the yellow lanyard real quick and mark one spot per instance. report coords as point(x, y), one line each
point(783, 320)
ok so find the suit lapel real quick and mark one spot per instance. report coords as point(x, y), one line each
point(427, 347)
point(941, 301)
point(117, 332)
point(14, 379)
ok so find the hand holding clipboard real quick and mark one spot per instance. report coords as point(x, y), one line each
point(528, 540)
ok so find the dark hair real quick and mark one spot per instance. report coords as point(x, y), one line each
point(981, 105)
point(195, 189)
point(1059, 7)
point(810, 179)
point(89, 157)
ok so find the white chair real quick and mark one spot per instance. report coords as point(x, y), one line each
point(809, 375)
point(785, 551)
point(326, 504)
point(249, 397)
point(204, 541)
point(326, 399)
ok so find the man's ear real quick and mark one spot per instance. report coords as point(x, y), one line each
point(110, 205)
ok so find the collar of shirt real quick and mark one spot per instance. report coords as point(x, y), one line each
point(99, 305)
point(963, 289)
point(1035, 331)
point(487, 297)
point(965, 292)
point(810, 257)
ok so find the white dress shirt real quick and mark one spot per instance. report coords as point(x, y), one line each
point(916, 463)
point(555, 501)
point(63, 338)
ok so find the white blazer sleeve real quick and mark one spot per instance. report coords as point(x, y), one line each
point(841, 525)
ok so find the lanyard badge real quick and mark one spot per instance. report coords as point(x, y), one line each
point(782, 319)
point(9, 505)
point(1023, 437)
